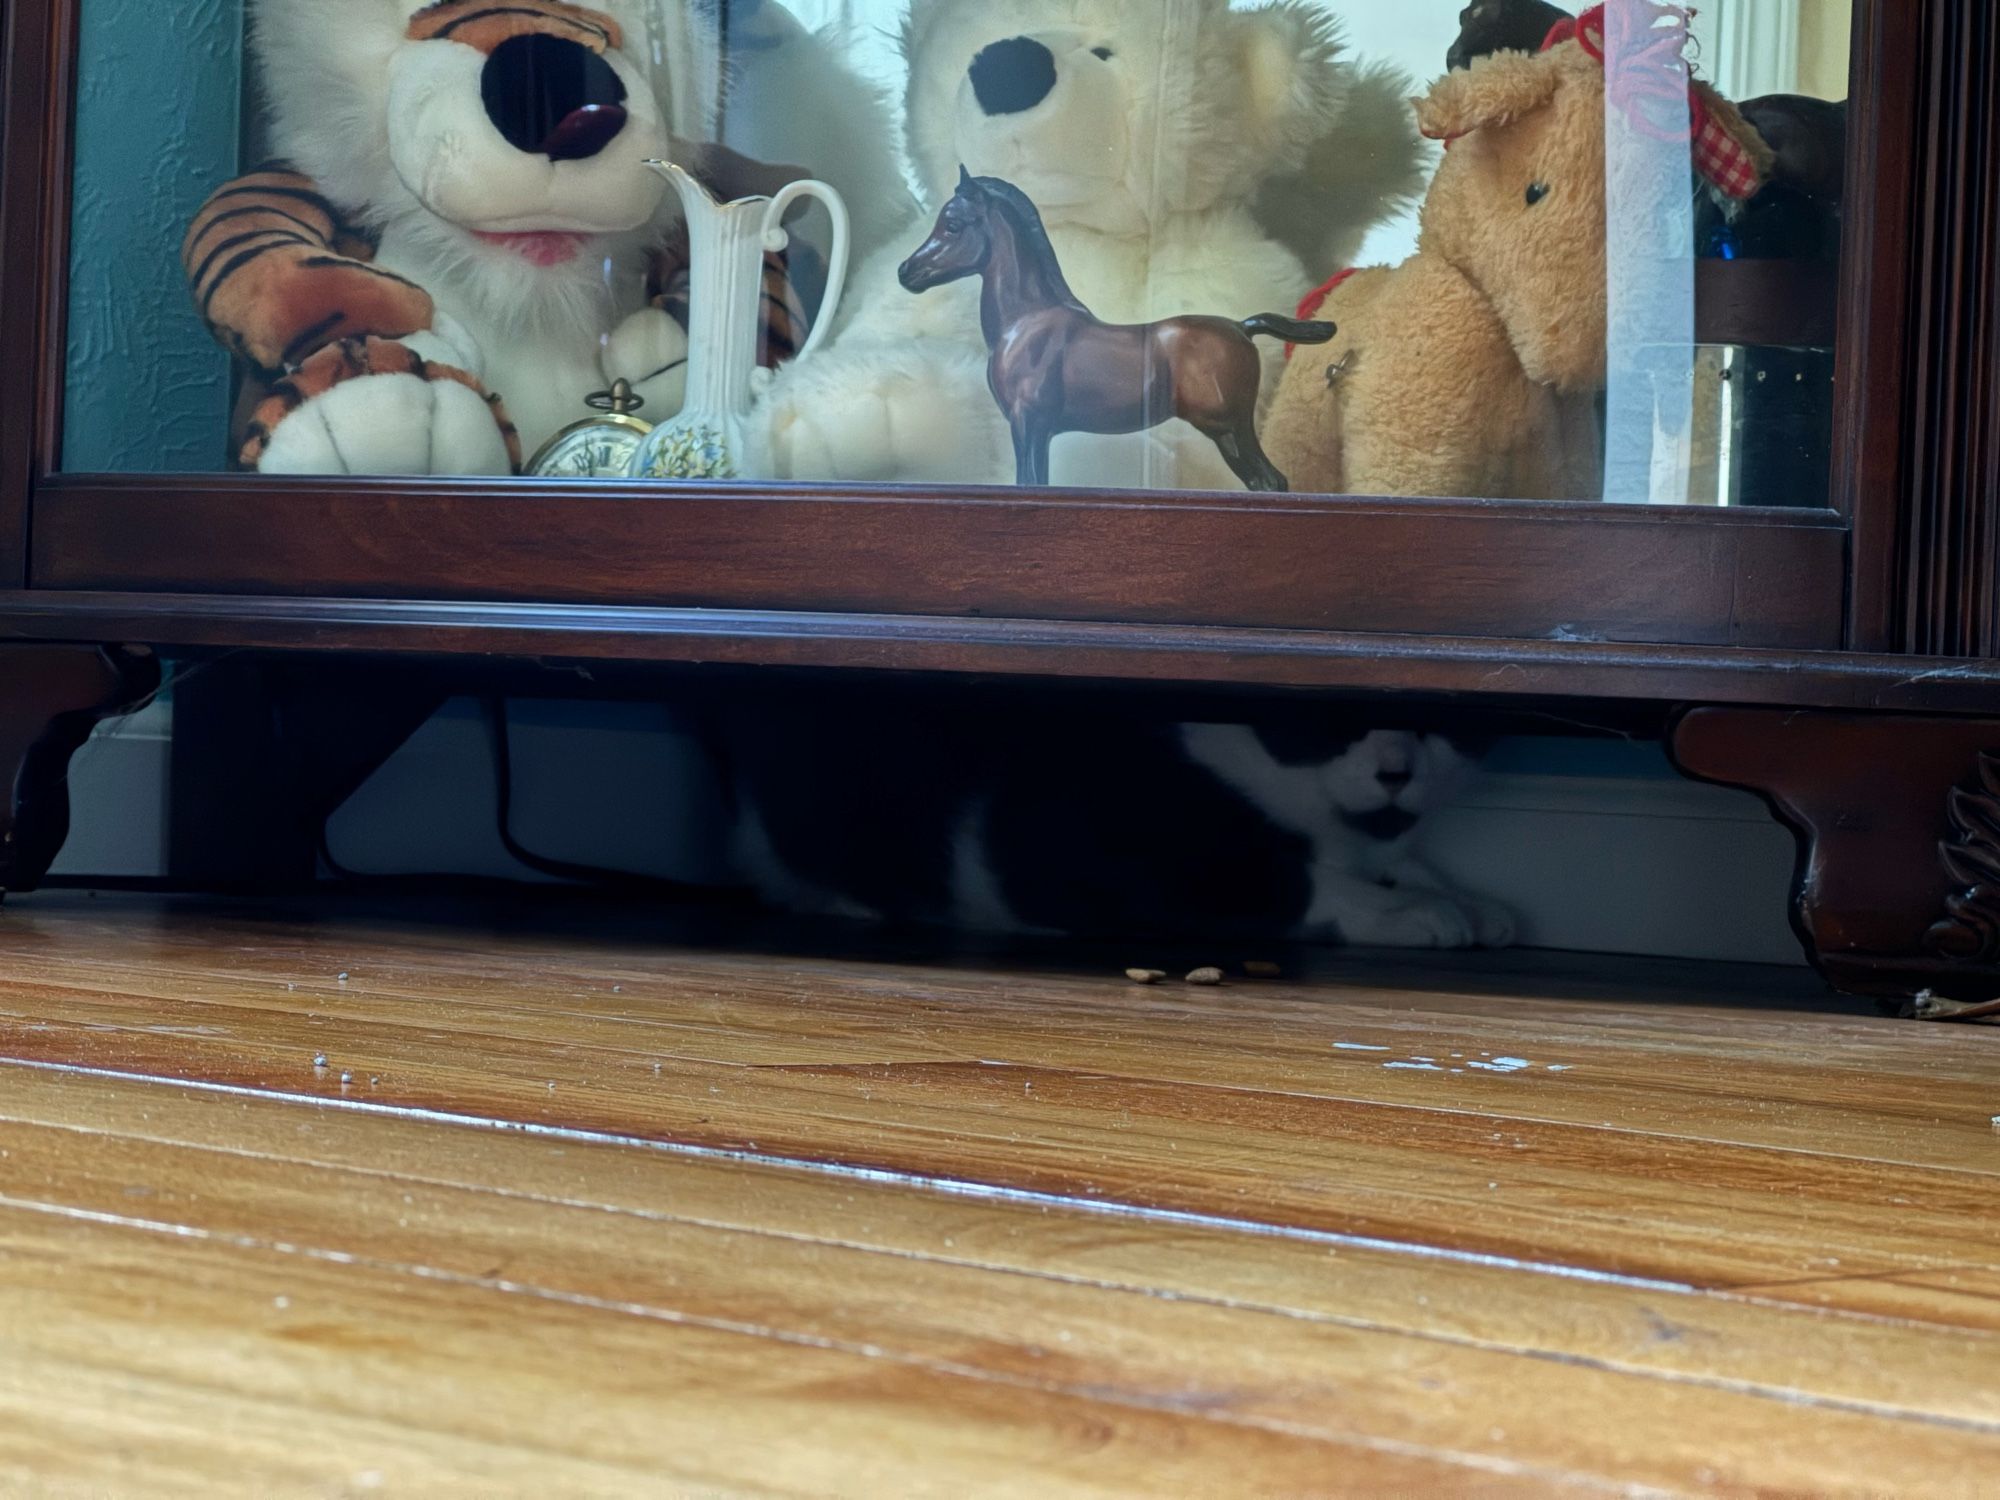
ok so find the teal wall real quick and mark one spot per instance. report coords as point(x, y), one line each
point(157, 128)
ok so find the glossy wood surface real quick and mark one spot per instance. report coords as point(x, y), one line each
point(51, 697)
point(1568, 572)
point(25, 133)
point(1946, 598)
point(569, 1208)
point(1873, 369)
point(1898, 823)
point(1195, 656)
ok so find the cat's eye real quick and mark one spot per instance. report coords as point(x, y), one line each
point(1102, 54)
point(1537, 191)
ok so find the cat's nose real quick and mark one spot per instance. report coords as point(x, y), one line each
point(1396, 780)
point(1013, 76)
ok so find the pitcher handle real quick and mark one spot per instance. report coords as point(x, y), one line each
point(776, 239)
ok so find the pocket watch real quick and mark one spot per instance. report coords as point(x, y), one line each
point(598, 447)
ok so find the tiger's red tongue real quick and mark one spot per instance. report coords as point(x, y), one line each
point(543, 247)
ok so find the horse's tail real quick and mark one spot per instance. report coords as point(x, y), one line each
point(1291, 330)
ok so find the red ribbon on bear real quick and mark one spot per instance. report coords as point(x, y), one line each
point(1314, 300)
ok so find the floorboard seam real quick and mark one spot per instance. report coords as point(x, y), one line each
point(1761, 1390)
point(1186, 1410)
point(1496, 1116)
point(952, 1186)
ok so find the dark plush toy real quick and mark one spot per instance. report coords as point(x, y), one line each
point(1489, 26)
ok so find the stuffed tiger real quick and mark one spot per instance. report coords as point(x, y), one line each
point(458, 242)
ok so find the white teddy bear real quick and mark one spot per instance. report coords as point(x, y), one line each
point(1185, 157)
point(460, 216)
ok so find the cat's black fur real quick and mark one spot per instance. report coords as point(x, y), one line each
point(1091, 819)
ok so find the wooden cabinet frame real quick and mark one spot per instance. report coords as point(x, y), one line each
point(1886, 601)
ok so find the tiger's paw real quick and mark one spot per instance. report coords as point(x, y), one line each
point(381, 406)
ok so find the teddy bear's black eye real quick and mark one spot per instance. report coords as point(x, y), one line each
point(1537, 191)
point(1102, 54)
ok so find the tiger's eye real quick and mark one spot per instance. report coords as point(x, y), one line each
point(1537, 191)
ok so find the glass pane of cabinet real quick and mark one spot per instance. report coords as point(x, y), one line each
point(1349, 247)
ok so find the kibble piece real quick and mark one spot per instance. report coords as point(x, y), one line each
point(1145, 976)
point(1259, 968)
point(1205, 976)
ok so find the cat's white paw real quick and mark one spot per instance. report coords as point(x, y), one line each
point(1493, 925)
point(1421, 921)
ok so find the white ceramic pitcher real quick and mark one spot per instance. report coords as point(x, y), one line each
point(714, 437)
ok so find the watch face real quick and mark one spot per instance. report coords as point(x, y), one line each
point(593, 450)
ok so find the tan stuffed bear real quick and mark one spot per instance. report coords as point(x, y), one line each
point(1472, 368)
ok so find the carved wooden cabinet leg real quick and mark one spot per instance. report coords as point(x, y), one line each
point(51, 697)
point(1898, 820)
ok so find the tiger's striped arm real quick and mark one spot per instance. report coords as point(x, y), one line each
point(785, 323)
point(350, 359)
point(650, 347)
point(278, 275)
point(790, 275)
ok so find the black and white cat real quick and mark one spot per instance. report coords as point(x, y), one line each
point(1098, 822)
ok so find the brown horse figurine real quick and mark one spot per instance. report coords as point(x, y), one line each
point(1056, 368)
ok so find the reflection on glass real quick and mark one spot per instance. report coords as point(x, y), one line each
point(422, 238)
point(1720, 374)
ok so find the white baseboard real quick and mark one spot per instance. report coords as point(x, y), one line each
point(1625, 864)
point(610, 785)
point(119, 788)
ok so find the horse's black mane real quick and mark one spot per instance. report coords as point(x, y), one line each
point(1022, 208)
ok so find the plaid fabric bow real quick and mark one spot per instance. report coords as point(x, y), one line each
point(1656, 89)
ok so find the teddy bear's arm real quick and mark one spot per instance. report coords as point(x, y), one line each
point(278, 275)
point(877, 307)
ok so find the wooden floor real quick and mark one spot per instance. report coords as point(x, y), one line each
point(318, 1203)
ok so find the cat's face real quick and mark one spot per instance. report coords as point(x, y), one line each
point(1380, 781)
